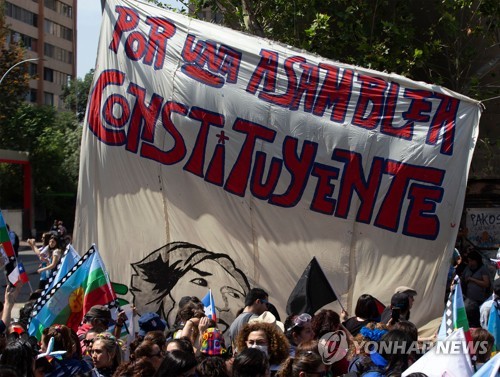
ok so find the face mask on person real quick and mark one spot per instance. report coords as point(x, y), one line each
point(260, 347)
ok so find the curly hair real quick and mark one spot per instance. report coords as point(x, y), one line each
point(324, 322)
point(277, 342)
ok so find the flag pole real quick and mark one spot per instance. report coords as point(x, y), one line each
point(328, 280)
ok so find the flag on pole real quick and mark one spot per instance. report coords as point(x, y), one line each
point(23, 276)
point(312, 292)
point(494, 324)
point(6, 248)
point(490, 369)
point(454, 316)
point(85, 285)
point(68, 261)
point(438, 362)
point(208, 303)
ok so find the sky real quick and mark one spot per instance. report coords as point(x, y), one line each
point(89, 24)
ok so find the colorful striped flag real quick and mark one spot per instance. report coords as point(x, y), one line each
point(208, 303)
point(454, 316)
point(11, 269)
point(85, 285)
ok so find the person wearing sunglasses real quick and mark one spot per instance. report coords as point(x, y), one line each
point(303, 364)
point(298, 329)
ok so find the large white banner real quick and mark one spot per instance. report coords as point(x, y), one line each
point(216, 159)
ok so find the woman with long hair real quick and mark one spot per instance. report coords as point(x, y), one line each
point(106, 355)
point(59, 338)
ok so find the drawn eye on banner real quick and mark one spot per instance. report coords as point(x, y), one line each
point(180, 269)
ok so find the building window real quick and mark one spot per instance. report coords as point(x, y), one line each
point(58, 30)
point(21, 14)
point(58, 53)
point(33, 69)
point(32, 96)
point(48, 74)
point(51, 4)
point(48, 98)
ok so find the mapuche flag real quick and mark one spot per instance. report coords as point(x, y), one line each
point(85, 285)
point(11, 269)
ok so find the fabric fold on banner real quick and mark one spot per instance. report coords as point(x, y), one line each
point(85, 285)
point(312, 292)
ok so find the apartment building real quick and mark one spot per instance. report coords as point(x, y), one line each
point(47, 29)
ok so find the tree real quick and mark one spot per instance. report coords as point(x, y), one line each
point(15, 84)
point(53, 140)
point(75, 95)
point(438, 42)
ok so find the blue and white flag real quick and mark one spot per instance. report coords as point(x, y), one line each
point(208, 302)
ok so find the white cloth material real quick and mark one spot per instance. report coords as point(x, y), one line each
point(287, 157)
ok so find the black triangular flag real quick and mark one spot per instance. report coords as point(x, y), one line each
point(312, 292)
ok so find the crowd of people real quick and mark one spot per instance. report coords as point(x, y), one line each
point(257, 344)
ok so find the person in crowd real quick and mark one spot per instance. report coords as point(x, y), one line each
point(150, 322)
point(189, 317)
point(10, 296)
point(157, 337)
point(399, 309)
point(359, 348)
point(98, 319)
point(177, 364)
point(251, 362)
point(182, 344)
point(390, 359)
point(304, 363)
point(150, 350)
point(106, 355)
point(194, 329)
point(20, 355)
point(266, 337)
point(483, 342)
point(140, 367)
point(214, 366)
point(366, 311)
point(212, 343)
point(62, 341)
point(328, 321)
point(61, 229)
point(411, 293)
point(49, 256)
point(298, 330)
point(194, 304)
point(476, 279)
point(255, 304)
point(485, 308)
point(86, 341)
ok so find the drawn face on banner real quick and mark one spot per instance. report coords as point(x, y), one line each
point(182, 269)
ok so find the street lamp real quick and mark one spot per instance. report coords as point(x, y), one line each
point(15, 65)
